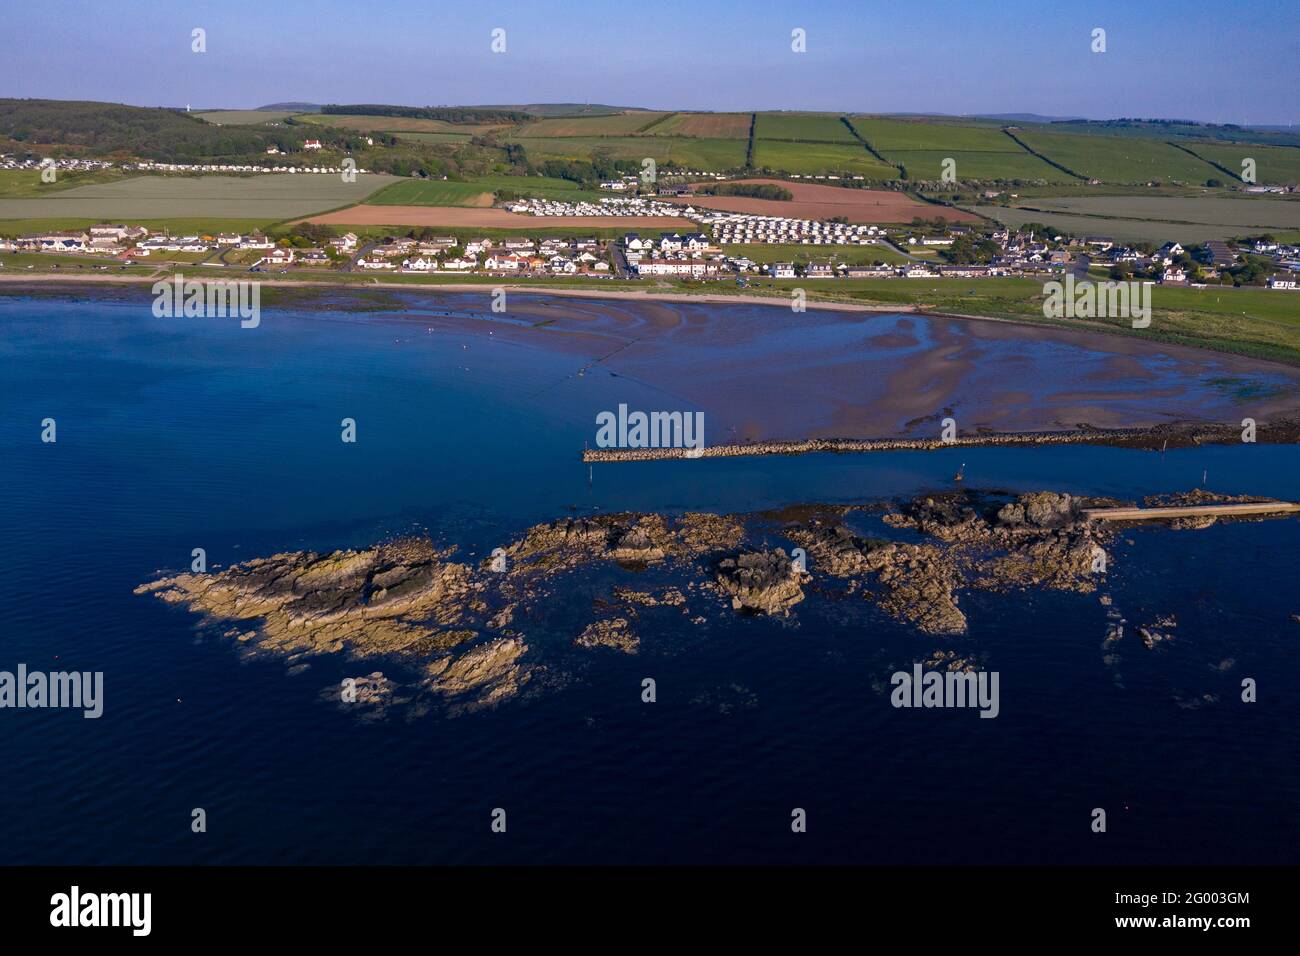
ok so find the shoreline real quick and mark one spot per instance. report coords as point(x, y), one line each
point(1150, 438)
point(1076, 415)
point(712, 298)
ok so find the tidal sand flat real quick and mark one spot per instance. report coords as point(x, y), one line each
point(763, 372)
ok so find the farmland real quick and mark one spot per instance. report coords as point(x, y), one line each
point(243, 117)
point(887, 135)
point(394, 124)
point(1125, 230)
point(812, 158)
point(927, 164)
point(267, 198)
point(703, 125)
point(26, 183)
point(804, 127)
point(814, 201)
point(439, 138)
point(1259, 213)
point(617, 124)
point(489, 218)
point(1274, 165)
point(712, 154)
point(438, 192)
point(1119, 159)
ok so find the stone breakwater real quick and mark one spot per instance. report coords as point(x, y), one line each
point(464, 634)
point(1179, 435)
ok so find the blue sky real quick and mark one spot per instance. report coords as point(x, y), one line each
point(1211, 61)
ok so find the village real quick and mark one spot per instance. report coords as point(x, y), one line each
point(725, 246)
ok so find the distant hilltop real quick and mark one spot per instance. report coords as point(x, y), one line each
point(287, 107)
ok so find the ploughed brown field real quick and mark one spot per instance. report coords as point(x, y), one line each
point(471, 218)
point(813, 201)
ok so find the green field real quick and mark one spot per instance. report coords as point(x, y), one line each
point(1274, 165)
point(436, 138)
point(706, 154)
point(703, 125)
point(977, 164)
point(431, 192)
point(1124, 230)
point(396, 124)
point(815, 158)
point(266, 198)
point(618, 124)
point(806, 127)
point(1210, 211)
point(178, 226)
point(887, 135)
point(244, 117)
point(27, 183)
point(782, 252)
point(1119, 159)
point(438, 192)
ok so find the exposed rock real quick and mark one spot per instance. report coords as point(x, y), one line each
point(407, 600)
point(761, 581)
point(615, 633)
point(482, 676)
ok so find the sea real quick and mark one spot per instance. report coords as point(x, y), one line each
point(175, 434)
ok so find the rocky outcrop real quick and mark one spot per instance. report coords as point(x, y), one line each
point(483, 676)
point(454, 628)
point(764, 582)
point(615, 633)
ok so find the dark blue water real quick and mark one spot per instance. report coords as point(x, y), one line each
point(181, 434)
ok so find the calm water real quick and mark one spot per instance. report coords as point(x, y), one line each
point(176, 434)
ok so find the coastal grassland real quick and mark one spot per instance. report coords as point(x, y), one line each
point(1274, 165)
point(1119, 158)
point(35, 262)
point(704, 154)
point(27, 183)
point(984, 164)
point(887, 135)
point(804, 127)
point(786, 252)
point(244, 117)
point(614, 124)
point(269, 197)
point(703, 125)
point(814, 158)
